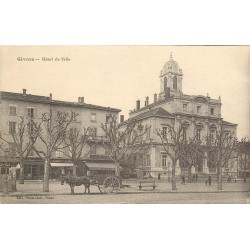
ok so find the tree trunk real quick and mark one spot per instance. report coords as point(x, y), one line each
point(74, 168)
point(117, 168)
point(21, 177)
point(245, 174)
point(173, 176)
point(189, 173)
point(46, 176)
point(14, 180)
point(219, 181)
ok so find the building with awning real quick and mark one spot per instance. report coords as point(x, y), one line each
point(29, 106)
point(100, 165)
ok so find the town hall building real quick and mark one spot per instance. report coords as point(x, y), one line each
point(200, 114)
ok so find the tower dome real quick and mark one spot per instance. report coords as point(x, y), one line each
point(171, 79)
point(171, 66)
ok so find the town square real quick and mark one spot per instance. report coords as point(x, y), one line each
point(176, 144)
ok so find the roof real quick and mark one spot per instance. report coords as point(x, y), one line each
point(157, 112)
point(228, 123)
point(47, 100)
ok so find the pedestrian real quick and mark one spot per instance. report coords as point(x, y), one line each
point(159, 176)
point(209, 180)
point(193, 178)
point(196, 177)
point(235, 179)
point(183, 179)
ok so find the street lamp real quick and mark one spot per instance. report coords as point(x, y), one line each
point(5, 186)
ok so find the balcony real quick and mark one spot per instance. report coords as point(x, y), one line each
point(95, 138)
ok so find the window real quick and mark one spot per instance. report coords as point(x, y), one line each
point(140, 137)
point(165, 83)
point(184, 106)
point(3, 170)
point(148, 160)
point(93, 117)
point(107, 118)
point(107, 151)
point(184, 133)
point(227, 136)
point(12, 152)
point(140, 160)
point(198, 134)
point(164, 132)
point(12, 127)
point(59, 154)
point(148, 133)
point(164, 161)
point(30, 128)
point(212, 136)
point(31, 112)
point(198, 109)
point(93, 131)
point(212, 111)
point(175, 82)
point(93, 150)
point(134, 159)
point(12, 110)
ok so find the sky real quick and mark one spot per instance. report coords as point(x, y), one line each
point(117, 76)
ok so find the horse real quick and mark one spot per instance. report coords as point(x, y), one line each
point(76, 181)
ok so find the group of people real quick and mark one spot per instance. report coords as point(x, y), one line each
point(194, 178)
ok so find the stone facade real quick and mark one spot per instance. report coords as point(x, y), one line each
point(200, 114)
point(16, 105)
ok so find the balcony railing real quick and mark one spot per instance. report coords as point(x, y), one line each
point(96, 138)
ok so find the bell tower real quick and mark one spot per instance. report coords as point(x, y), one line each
point(171, 79)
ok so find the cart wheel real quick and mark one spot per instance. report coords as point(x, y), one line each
point(111, 185)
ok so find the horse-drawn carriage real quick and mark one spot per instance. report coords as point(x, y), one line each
point(106, 182)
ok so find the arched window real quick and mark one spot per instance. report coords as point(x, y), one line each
point(175, 82)
point(165, 83)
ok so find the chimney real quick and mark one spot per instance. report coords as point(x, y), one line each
point(82, 99)
point(147, 101)
point(167, 93)
point(50, 96)
point(79, 99)
point(121, 118)
point(138, 104)
point(155, 98)
point(24, 91)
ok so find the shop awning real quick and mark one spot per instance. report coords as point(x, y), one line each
point(100, 165)
point(61, 164)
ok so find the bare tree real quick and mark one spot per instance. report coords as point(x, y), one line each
point(244, 156)
point(52, 131)
point(75, 141)
point(22, 141)
point(191, 150)
point(124, 139)
point(221, 147)
point(173, 141)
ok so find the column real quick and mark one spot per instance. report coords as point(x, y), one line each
point(192, 128)
point(205, 167)
point(152, 161)
point(178, 168)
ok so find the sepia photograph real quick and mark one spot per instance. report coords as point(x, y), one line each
point(124, 125)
